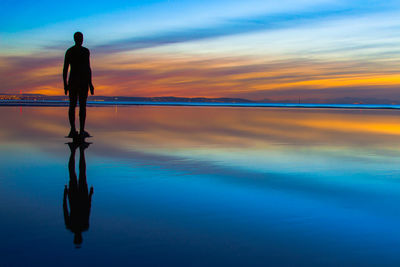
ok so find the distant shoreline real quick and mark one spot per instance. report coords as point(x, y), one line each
point(60, 103)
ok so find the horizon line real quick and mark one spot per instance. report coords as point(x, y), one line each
point(62, 103)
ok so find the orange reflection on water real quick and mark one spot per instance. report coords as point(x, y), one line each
point(180, 127)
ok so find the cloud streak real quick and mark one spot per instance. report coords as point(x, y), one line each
point(228, 28)
point(164, 75)
point(314, 55)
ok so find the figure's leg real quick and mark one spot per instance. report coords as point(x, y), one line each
point(82, 112)
point(73, 183)
point(73, 98)
point(83, 187)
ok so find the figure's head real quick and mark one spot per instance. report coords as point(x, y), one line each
point(78, 37)
point(78, 239)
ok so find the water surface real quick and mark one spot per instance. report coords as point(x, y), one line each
point(197, 186)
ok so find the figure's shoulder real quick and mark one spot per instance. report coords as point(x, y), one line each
point(69, 50)
point(86, 50)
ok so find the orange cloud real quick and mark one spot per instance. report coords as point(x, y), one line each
point(146, 74)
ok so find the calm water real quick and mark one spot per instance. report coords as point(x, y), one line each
point(201, 186)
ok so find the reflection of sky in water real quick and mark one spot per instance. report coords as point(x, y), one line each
point(187, 185)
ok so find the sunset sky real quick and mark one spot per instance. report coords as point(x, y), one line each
point(321, 49)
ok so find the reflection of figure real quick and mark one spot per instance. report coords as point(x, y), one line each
point(80, 79)
point(77, 218)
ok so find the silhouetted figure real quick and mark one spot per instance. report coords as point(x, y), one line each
point(80, 199)
point(79, 82)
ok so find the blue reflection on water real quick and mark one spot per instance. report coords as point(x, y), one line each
point(158, 209)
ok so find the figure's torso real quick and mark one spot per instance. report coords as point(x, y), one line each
point(78, 58)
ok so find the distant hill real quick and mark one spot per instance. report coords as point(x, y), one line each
point(344, 100)
point(40, 97)
point(171, 99)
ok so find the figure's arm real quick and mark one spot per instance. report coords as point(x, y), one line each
point(65, 208)
point(90, 196)
point(90, 202)
point(65, 72)
point(90, 77)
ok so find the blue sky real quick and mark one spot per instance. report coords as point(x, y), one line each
point(317, 35)
point(113, 22)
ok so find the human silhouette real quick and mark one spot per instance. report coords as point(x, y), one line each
point(79, 82)
point(80, 199)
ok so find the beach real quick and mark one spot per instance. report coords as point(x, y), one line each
point(204, 186)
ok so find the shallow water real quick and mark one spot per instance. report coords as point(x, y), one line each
point(197, 186)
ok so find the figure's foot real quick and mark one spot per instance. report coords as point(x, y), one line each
point(72, 146)
point(84, 134)
point(73, 134)
point(84, 145)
